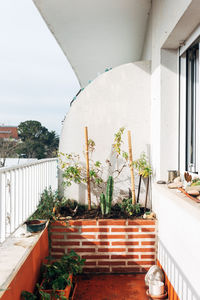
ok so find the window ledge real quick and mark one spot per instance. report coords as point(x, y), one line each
point(182, 200)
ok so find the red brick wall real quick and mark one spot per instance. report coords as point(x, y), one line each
point(108, 245)
point(9, 132)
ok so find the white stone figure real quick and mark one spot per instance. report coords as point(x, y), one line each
point(154, 273)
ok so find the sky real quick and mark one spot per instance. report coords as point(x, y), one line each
point(36, 80)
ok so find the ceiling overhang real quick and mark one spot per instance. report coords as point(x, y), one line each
point(97, 35)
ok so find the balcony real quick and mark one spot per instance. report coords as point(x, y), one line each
point(21, 254)
point(131, 59)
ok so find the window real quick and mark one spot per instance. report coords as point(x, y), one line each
point(189, 105)
point(192, 81)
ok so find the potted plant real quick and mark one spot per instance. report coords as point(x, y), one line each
point(44, 211)
point(57, 277)
point(144, 170)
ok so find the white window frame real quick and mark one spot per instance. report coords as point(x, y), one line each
point(183, 99)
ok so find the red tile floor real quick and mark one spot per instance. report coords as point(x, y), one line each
point(111, 287)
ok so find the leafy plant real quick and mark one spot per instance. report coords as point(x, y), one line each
point(48, 201)
point(195, 182)
point(128, 207)
point(74, 171)
point(56, 275)
point(142, 165)
point(25, 295)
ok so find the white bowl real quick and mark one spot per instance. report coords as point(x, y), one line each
point(156, 288)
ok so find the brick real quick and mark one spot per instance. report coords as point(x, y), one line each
point(58, 250)
point(80, 237)
point(97, 229)
point(125, 256)
point(63, 229)
point(141, 250)
point(141, 222)
point(96, 270)
point(124, 229)
point(141, 236)
point(59, 223)
point(82, 222)
point(57, 229)
point(95, 257)
point(148, 243)
point(125, 243)
point(109, 236)
point(148, 229)
point(57, 237)
point(63, 243)
point(94, 243)
point(111, 250)
point(90, 263)
point(125, 270)
point(147, 256)
point(83, 250)
point(112, 222)
point(141, 262)
point(111, 263)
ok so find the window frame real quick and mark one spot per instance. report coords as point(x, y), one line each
point(184, 98)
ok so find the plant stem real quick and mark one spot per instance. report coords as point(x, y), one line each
point(138, 195)
point(145, 206)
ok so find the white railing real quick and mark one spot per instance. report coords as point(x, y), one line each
point(20, 190)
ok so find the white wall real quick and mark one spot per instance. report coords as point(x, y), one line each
point(164, 19)
point(120, 97)
point(179, 243)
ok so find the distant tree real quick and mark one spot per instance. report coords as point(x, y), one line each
point(36, 140)
point(7, 149)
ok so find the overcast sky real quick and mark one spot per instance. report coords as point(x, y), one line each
point(36, 81)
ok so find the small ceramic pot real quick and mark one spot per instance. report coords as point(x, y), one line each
point(35, 225)
point(156, 288)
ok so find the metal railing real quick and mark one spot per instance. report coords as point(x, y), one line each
point(20, 190)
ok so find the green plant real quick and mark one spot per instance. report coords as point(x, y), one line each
point(128, 207)
point(48, 201)
point(106, 201)
point(56, 275)
point(25, 295)
point(143, 167)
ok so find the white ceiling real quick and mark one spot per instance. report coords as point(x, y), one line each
point(97, 34)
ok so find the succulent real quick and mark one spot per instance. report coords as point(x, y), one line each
point(106, 201)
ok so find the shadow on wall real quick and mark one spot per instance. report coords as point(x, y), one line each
point(177, 278)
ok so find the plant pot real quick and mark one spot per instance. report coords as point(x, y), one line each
point(35, 225)
point(65, 292)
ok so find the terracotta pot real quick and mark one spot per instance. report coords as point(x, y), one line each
point(35, 225)
point(65, 292)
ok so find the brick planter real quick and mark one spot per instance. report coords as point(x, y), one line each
point(110, 246)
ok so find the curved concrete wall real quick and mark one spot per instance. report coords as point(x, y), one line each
point(120, 97)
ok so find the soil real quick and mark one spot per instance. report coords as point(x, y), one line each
point(95, 213)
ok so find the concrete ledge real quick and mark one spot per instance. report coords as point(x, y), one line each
point(21, 256)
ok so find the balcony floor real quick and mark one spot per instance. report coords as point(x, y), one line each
point(111, 287)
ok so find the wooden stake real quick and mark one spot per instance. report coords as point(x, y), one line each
point(131, 167)
point(87, 167)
